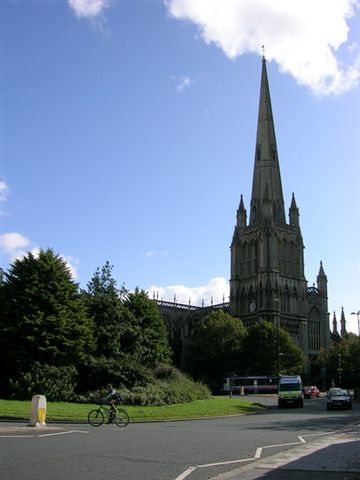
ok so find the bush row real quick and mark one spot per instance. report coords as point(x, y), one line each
point(163, 385)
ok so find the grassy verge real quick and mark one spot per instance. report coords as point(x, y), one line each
point(215, 406)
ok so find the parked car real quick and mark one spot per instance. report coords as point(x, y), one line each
point(311, 391)
point(338, 398)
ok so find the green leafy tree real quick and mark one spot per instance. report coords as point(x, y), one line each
point(342, 362)
point(215, 352)
point(271, 351)
point(104, 305)
point(145, 335)
point(44, 318)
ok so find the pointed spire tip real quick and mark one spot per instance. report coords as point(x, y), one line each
point(263, 50)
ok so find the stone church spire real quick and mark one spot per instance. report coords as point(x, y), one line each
point(335, 330)
point(241, 214)
point(343, 331)
point(267, 281)
point(294, 212)
point(266, 178)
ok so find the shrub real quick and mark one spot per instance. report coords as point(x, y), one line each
point(164, 371)
point(56, 383)
point(163, 392)
point(168, 386)
point(95, 373)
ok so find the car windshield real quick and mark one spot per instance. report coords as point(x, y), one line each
point(338, 392)
point(289, 387)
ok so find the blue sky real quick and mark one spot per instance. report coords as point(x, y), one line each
point(128, 134)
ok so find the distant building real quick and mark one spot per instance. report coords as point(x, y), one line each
point(267, 279)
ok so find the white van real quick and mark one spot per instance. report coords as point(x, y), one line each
point(290, 391)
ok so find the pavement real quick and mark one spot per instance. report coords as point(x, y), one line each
point(336, 457)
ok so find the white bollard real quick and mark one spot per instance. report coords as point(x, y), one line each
point(38, 411)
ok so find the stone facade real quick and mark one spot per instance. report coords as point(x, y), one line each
point(267, 279)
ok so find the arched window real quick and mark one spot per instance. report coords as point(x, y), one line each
point(314, 330)
point(294, 303)
point(286, 301)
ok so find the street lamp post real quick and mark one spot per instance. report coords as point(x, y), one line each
point(277, 302)
point(358, 320)
point(339, 369)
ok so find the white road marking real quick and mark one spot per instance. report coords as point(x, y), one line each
point(60, 433)
point(257, 455)
point(186, 473)
point(225, 463)
point(281, 445)
point(42, 435)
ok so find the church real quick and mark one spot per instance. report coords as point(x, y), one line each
point(267, 278)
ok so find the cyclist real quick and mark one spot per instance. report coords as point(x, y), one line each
point(113, 397)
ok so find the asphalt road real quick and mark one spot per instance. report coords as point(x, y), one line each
point(195, 450)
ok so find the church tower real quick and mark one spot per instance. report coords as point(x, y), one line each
point(267, 253)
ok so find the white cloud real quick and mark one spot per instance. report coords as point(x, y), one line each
point(155, 253)
point(72, 264)
point(184, 82)
point(4, 191)
point(88, 8)
point(303, 36)
point(217, 291)
point(15, 246)
point(13, 242)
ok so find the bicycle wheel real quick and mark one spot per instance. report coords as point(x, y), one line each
point(96, 418)
point(122, 418)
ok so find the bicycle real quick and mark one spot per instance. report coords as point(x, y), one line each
point(96, 417)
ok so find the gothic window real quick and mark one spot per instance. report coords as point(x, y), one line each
point(294, 303)
point(293, 261)
point(255, 256)
point(314, 330)
point(283, 257)
point(286, 301)
point(243, 301)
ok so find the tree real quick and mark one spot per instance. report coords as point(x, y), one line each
point(103, 302)
point(145, 335)
point(271, 351)
point(44, 318)
point(215, 351)
point(342, 361)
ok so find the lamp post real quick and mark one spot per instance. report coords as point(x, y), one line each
point(277, 303)
point(358, 320)
point(339, 369)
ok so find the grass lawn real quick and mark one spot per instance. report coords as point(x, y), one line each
point(215, 406)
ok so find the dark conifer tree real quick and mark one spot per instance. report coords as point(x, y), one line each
point(43, 315)
point(145, 337)
point(103, 301)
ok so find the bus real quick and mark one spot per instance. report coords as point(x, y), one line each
point(251, 384)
